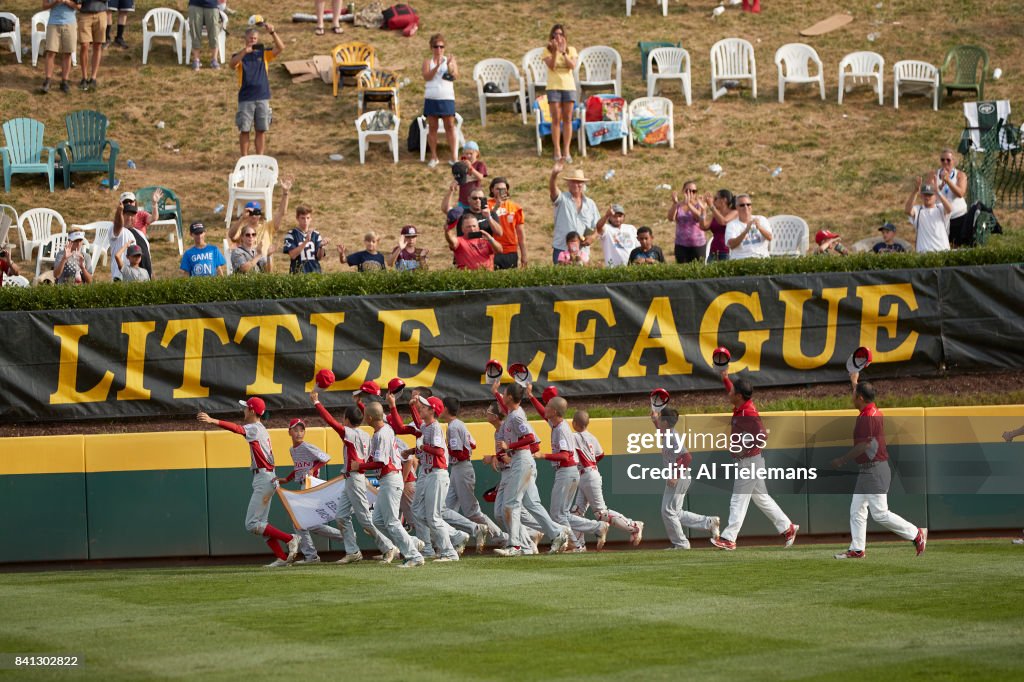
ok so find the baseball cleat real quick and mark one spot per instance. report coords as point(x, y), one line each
point(722, 543)
point(389, 556)
point(850, 554)
point(419, 544)
point(293, 548)
point(638, 533)
point(306, 562)
point(602, 535)
point(481, 537)
point(579, 549)
point(444, 560)
point(412, 563)
point(921, 540)
point(351, 558)
point(791, 534)
point(461, 547)
point(559, 543)
point(509, 551)
point(277, 563)
point(1018, 541)
point(714, 526)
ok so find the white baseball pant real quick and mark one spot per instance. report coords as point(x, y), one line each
point(522, 494)
point(745, 490)
point(462, 498)
point(871, 494)
point(436, 484)
point(259, 504)
point(528, 523)
point(385, 515)
point(591, 494)
point(563, 493)
point(675, 517)
point(354, 503)
point(306, 545)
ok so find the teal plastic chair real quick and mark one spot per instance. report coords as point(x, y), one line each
point(645, 48)
point(960, 70)
point(83, 150)
point(168, 210)
point(24, 137)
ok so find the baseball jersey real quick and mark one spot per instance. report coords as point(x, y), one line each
point(261, 457)
point(514, 428)
point(669, 456)
point(868, 429)
point(433, 437)
point(745, 420)
point(384, 448)
point(460, 442)
point(588, 449)
point(561, 442)
point(305, 456)
point(357, 447)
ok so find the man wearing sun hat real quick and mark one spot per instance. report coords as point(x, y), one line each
point(574, 211)
point(72, 267)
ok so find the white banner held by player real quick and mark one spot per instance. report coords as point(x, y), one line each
point(315, 506)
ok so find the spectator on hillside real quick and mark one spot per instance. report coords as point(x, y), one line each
point(335, 17)
point(476, 171)
point(560, 58)
point(439, 72)
point(574, 253)
point(202, 260)
point(72, 267)
point(829, 244)
point(248, 257)
point(367, 260)
point(62, 38)
point(10, 274)
point(888, 243)
point(647, 253)
point(122, 8)
point(304, 245)
point(930, 221)
point(130, 224)
point(688, 214)
point(142, 218)
point(129, 260)
point(478, 207)
point(120, 238)
point(721, 210)
point(251, 63)
point(513, 226)
point(618, 238)
point(574, 211)
point(747, 235)
point(266, 230)
point(204, 13)
point(406, 255)
point(472, 249)
point(92, 27)
point(952, 184)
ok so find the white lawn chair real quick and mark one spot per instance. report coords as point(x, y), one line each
point(38, 36)
point(221, 39)
point(732, 59)
point(598, 67)
point(253, 179)
point(663, 3)
point(673, 64)
point(99, 248)
point(794, 62)
point(862, 68)
point(981, 117)
point(228, 270)
point(917, 77)
point(500, 72)
point(535, 71)
point(460, 139)
point(790, 236)
point(12, 213)
point(49, 249)
point(366, 135)
point(36, 226)
point(643, 107)
point(13, 37)
point(166, 23)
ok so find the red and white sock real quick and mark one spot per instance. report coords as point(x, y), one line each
point(275, 547)
point(272, 532)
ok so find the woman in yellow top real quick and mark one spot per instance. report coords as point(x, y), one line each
point(561, 90)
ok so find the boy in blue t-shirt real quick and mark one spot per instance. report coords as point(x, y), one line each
point(369, 260)
point(303, 244)
point(202, 260)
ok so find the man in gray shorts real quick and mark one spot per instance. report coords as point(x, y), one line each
point(254, 94)
point(204, 13)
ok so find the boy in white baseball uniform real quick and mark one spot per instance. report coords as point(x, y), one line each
point(502, 464)
point(672, 512)
point(872, 488)
point(308, 460)
point(515, 437)
point(567, 475)
point(462, 492)
point(433, 484)
point(261, 463)
point(386, 458)
point(591, 493)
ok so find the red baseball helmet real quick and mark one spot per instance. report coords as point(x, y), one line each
point(368, 387)
point(721, 357)
point(324, 378)
point(396, 386)
point(491, 495)
point(493, 370)
point(549, 393)
point(520, 373)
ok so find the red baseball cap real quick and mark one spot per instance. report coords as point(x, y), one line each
point(255, 404)
point(659, 398)
point(520, 373)
point(549, 393)
point(721, 357)
point(823, 235)
point(396, 386)
point(296, 422)
point(324, 378)
point(436, 405)
point(369, 387)
point(493, 370)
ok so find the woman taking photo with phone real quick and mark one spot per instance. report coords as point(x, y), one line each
point(439, 71)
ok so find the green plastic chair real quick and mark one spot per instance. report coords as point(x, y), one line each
point(24, 137)
point(960, 70)
point(83, 150)
point(168, 210)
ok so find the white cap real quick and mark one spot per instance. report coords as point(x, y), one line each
point(125, 196)
point(75, 236)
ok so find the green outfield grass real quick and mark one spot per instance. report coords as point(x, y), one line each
point(758, 613)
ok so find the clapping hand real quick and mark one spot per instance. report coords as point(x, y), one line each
point(286, 183)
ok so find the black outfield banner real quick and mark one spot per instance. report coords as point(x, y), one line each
point(589, 340)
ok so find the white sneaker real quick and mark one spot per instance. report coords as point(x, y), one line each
point(481, 537)
point(602, 535)
point(638, 534)
point(716, 524)
point(461, 547)
point(444, 560)
point(791, 534)
point(412, 563)
point(432, 163)
point(508, 551)
point(277, 563)
point(293, 548)
point(351, 558)
point(579, 549)
point(677, 547)
point(567, 159)
point(559, 543)
point(306, 562)
point(420, 544)
point(389, 556)
point(1018, 541)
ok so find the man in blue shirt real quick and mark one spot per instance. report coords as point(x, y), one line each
point(202, 260)
point(254, 87)
point(62, 37)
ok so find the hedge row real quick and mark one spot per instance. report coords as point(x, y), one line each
point(283, 286)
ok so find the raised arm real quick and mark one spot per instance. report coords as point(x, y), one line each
point(553, 180)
